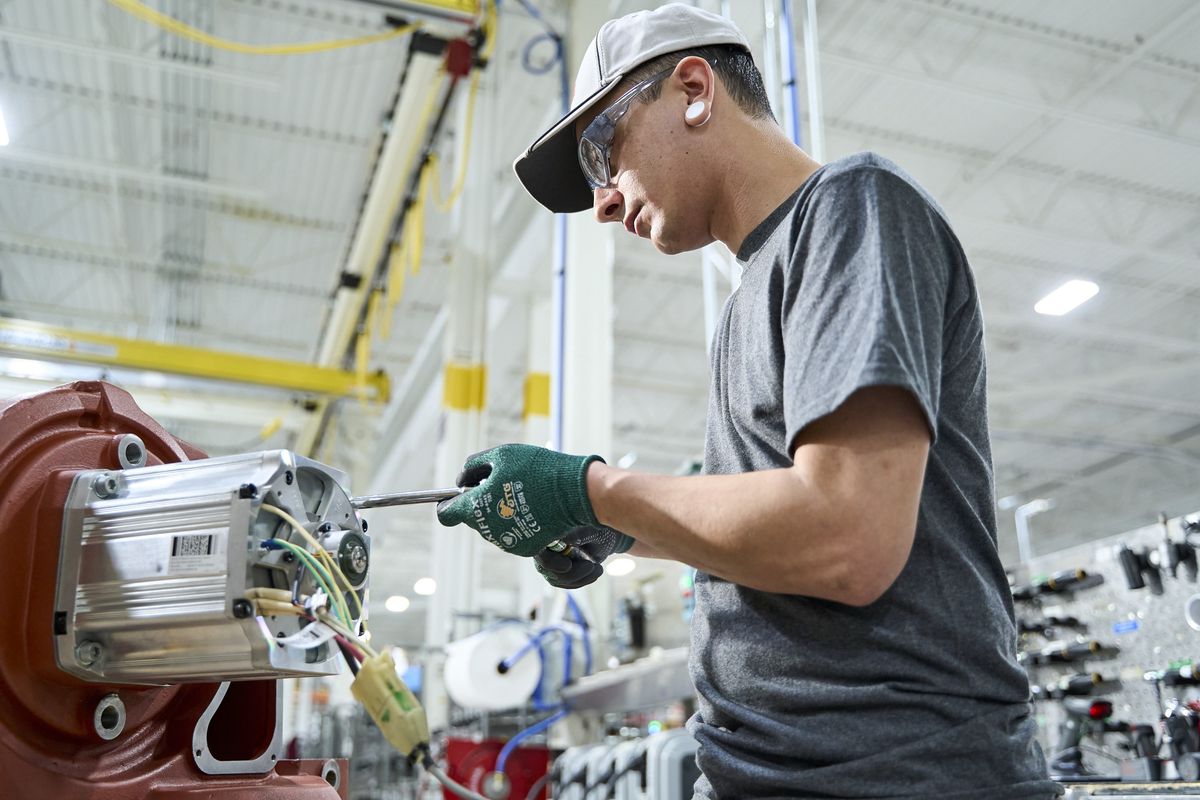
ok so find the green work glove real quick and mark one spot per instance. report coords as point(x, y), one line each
point(521, 497)
point(579, 565)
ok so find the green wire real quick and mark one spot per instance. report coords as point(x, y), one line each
point(321, 575)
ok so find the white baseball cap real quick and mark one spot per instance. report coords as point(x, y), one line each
point(549, 170)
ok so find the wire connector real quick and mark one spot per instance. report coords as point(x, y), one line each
point(391, 704)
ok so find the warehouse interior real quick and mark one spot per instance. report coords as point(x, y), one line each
point(293, 225)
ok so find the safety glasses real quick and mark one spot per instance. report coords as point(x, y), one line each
point(595, 145)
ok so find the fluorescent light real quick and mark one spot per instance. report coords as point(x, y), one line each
point(620, 566)
point(3, 130)
point(1066, 298)
point(397, 604)
point(425, 586)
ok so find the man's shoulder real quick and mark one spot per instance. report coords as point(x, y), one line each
point(865, 167)
point(849, 179)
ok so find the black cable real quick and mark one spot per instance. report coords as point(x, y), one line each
point(351, 661)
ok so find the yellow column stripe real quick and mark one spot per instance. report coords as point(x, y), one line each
point(537, 395)
point(465, 386)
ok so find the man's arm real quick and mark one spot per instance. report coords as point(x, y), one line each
point(838, 524)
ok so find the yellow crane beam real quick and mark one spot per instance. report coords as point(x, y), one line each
point(33, 339)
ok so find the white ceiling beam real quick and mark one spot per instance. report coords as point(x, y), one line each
point(114, 171)
point(1047, 329)
point(1061, 113)
point(988, 17)
point(136, 59)
point(234, 275)
point(1044, 124)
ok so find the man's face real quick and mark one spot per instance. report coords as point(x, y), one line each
point(656, 172)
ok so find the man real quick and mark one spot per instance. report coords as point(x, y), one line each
point(853, 634)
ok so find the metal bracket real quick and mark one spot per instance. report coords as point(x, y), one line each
point(211, 766)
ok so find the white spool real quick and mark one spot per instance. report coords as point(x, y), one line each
point(472, 680)
point(1191, 612)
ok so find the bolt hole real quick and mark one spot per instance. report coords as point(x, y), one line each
point(110, 718)
point(198, 753)
point(133, 453)
point(331, 778)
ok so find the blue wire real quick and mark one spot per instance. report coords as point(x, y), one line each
point(532, 730)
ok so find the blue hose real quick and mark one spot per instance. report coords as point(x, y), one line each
point(532, 730)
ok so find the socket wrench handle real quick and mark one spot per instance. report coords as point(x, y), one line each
point(404, 498)
point(437, 496)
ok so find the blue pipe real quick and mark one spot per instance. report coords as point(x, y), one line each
point(532, 730)
point(536, 640)
point(559, 291)
point(789, 80)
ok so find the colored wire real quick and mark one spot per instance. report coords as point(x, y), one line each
point(143, 12)
point(323, 555)
point(460, 179)
point(329, 620)
point(347, 654)
point(320, 575)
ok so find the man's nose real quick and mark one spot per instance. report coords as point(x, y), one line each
point(609, 204)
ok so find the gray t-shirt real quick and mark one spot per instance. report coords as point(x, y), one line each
point(856, 281)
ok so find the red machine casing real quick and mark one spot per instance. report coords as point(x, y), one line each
point(471, 761)
point(49, 749)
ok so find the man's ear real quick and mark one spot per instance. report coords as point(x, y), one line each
point(694, 76)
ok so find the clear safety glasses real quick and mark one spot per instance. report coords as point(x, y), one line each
point(595, 145)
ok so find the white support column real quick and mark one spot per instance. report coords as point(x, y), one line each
point(588, 341)
point(455, 553)
point(536, 423)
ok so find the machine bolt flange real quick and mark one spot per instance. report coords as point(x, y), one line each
point(88, 652)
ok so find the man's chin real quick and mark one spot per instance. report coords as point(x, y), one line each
point(670, 247)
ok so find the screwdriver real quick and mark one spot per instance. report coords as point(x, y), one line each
point(433, 496)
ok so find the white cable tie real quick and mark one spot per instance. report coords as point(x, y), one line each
point(313, 635)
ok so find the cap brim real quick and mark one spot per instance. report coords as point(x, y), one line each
point(549, 170)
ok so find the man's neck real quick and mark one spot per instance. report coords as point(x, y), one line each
point(764, 169)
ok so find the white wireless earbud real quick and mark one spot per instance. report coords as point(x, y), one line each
point(695, 111)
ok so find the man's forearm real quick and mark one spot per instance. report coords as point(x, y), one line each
point(838, 524)
point(765, 530)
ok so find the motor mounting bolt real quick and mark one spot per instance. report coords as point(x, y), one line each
point(105, 485)
point(247, 491)
point(88, 652)
point(288, 477)
point(242, 609)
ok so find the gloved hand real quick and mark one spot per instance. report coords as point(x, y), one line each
point(580, 565)
point(522, 497)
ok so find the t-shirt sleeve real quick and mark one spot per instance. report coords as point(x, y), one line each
point(864, 296)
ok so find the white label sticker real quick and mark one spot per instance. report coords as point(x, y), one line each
point(193, 553)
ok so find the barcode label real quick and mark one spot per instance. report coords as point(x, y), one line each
point(191, 545)
point(197, 553)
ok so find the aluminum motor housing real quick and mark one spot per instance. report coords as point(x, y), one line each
point(155, 563)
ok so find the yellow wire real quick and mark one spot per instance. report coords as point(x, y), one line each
point(329, 620)
point(322, 554)
point(464, 157)
point(182, 29)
